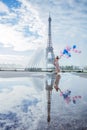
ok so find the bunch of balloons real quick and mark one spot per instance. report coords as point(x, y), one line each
point(68, 98)
point(67, 51)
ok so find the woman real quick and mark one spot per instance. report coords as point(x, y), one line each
point(56, 63)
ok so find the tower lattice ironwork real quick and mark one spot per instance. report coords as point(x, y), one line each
point(49, 50)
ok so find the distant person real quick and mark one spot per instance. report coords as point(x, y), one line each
point(56, 63)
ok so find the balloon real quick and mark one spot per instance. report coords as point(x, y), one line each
point(74, 101)
point(68, 98)
point(79, 97)
point(69, 54)
point(67, 51)
point(77, 51)
point(74, 46)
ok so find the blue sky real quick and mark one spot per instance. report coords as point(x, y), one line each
point(24, 29)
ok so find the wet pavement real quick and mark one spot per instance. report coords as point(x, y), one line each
point(43, 101)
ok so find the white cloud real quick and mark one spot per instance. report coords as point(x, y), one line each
point(3, 8)
point(11, 37)
point(14, 35)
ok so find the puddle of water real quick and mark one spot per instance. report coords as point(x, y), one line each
point(51, 102)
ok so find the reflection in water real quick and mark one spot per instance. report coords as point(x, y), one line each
point(66, 94)
point(23, 102)
point(52, 81)
point(49, 86)
point(20, 103)
point(56, 84)
point(68, 98)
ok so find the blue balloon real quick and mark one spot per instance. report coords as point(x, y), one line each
point(65, 95)
point(69, 54)
point(74, 46)
point(74, 101)
point(65, 51)
point(69, 92)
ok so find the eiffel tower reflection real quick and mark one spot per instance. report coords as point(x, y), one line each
point(52, 80)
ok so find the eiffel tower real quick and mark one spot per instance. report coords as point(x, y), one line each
point(49, 50)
